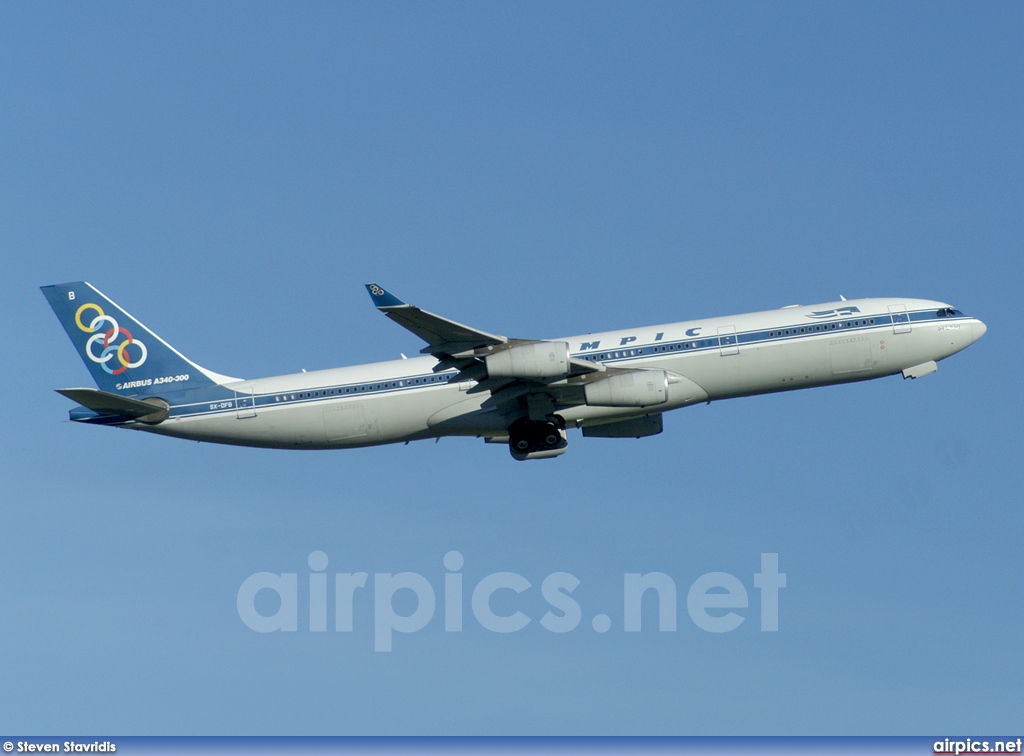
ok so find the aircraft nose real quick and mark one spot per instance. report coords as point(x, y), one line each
point(979, 329)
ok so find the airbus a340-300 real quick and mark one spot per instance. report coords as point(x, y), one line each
point(522, 392)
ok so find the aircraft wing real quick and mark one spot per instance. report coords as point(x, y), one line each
point(468, 349)
point(444, 337)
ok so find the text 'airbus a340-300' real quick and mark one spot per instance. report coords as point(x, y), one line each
point(522, 392)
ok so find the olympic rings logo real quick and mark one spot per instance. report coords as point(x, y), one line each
point(108, 339)
point(376, 290)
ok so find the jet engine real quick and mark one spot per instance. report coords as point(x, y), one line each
point(542, 359)
point(639, 388)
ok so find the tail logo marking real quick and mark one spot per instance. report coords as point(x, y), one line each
point(109, 340)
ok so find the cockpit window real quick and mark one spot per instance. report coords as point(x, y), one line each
point(949, 312)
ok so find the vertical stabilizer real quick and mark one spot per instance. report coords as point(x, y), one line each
point(122, 355)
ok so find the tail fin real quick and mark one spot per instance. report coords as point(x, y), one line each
point(122, 355)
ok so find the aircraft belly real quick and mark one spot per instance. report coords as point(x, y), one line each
point(468, 418)
point(327, 425)
point(224, 428)
point(378, 420)
point(403, 416)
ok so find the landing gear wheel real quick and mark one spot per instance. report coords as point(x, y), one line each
point(529, 439)
point(521, 436)
point(550, 435)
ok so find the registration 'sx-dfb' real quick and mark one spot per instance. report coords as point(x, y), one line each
point(522, 392)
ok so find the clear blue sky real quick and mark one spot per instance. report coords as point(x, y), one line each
point(232, 174)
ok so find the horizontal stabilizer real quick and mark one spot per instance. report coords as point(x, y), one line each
point(150, 411)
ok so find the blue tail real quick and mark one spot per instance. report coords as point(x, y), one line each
point(122, 355)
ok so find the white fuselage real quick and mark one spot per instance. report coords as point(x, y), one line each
point(710, 359)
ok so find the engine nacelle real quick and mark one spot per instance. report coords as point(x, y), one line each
point(544, 359)
point(641, 388)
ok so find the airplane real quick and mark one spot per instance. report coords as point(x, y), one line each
point(525, 393)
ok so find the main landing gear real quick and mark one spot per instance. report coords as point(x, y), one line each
point(532, 439)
